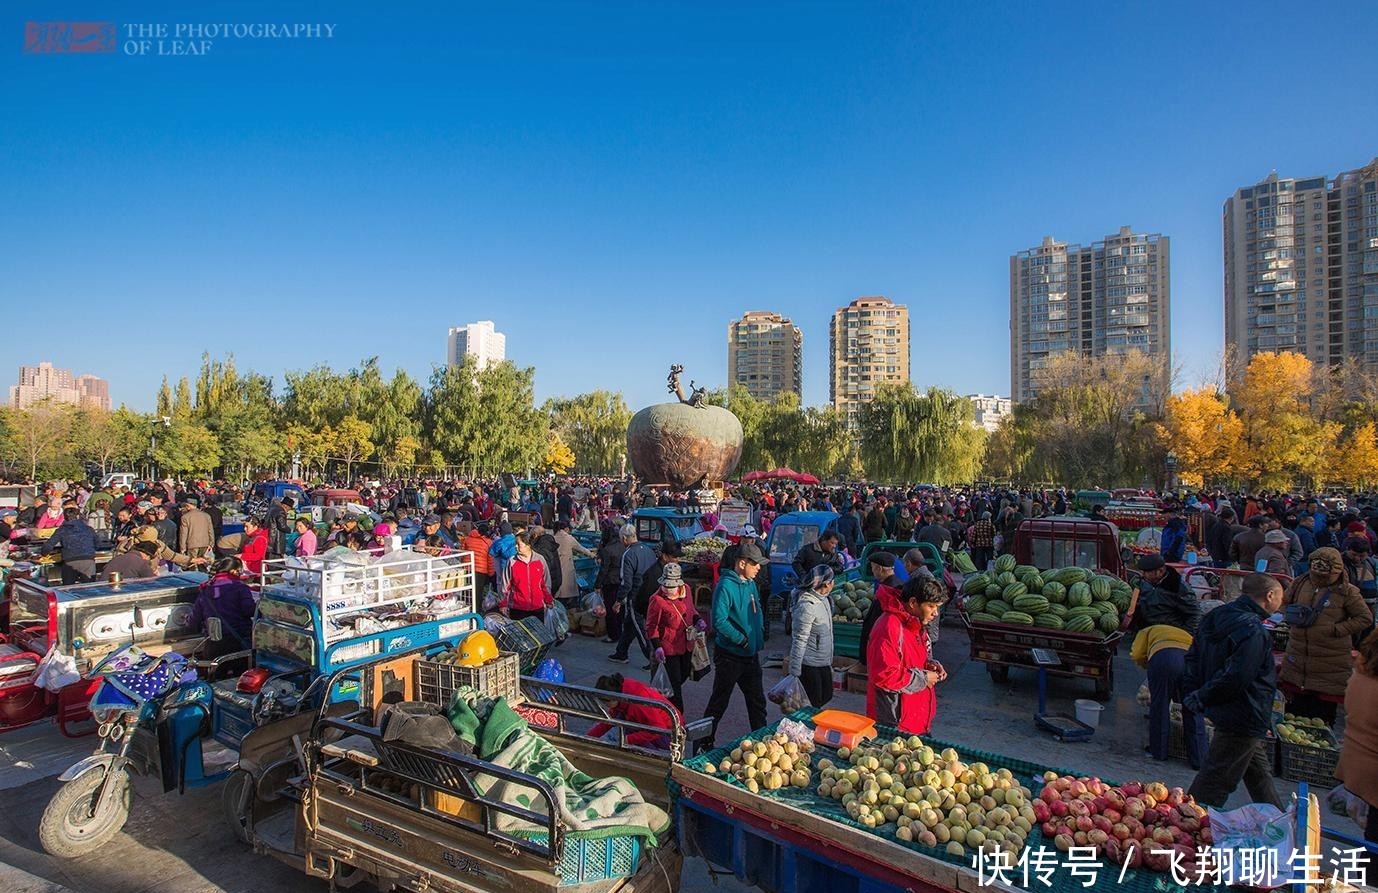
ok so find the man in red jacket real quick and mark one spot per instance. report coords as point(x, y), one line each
point(899, 692)
point(255, 547)
point(638, 713)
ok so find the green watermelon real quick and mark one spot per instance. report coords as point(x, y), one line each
point(1070, 575)
point(1013, 591)
point(852, 614)
point(1022, 569)
point(1079, 594)
point(1048, 621)
point(1100, 588)
point(1079, 624)
point(1018, 617)
point(843, 602)
point(976, 603)
point(994, 590)
point(997, 607)
point(1056, 610)
point(976, 583)
point(1005, 563)
point(1109, 623)
point(1084, 611)
point(984, 618)
point(1055, 592)
point(1030, 603)
point(1033, 581)
point(1005, 578)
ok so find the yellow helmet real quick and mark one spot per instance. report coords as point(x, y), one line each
point(476, 649)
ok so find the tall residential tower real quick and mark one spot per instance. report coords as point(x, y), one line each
point(1106, 298)
point(869, 346)
point(478, 339)
point(765, 353)
point(1301, 267)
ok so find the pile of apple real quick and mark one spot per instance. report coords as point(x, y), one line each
point(1127, 823)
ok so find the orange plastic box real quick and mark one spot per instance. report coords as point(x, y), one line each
point(838, 728)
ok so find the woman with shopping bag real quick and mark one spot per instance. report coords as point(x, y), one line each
point(670, 620)
point(811, 642)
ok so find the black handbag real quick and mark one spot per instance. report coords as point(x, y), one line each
point(1301, 616)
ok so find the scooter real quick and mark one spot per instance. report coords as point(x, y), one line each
point(152, 713)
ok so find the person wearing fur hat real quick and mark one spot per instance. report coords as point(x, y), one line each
point(1324, 611)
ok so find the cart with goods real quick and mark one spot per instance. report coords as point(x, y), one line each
point(1019, 615)
point(529, 800)
point(319, 615)
point(829, 801)
point(659, 525)
point(76, 627)
point(701, 564)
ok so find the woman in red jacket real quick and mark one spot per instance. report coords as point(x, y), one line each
point(899, 692)
point(669, 619)
point(528, 587)
point(637, 713)
point(255, 547)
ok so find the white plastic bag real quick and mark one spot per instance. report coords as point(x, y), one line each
point(557, 621)
point(789, 694)
point(56, 671)
point(1343, 802)
point(594, 602)
point(660, 681)
point(1258, 826)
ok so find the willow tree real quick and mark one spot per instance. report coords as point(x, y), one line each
point(910, 437)
point(485, 420)
point(593, 426)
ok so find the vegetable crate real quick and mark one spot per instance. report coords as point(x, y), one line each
point(1313, 765)
point(529, 638)
point(436, 682)
point(1176, 738)
point(847, 640)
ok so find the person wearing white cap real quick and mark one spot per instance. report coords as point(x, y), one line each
point(1272, 558)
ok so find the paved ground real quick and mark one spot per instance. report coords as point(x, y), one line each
point(177, 843)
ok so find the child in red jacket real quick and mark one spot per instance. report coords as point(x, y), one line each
point(638, 713)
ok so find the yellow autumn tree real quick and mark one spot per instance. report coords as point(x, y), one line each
point(1353, 458)
point(1204, 433)
point(559, 458)
point(1283, 442)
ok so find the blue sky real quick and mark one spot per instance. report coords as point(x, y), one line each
point(612, 182)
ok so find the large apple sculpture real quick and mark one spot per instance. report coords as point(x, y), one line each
point(684, 443)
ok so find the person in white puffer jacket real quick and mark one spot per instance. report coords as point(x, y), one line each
point(811, 642)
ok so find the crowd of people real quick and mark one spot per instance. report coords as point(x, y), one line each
point(1301, 558)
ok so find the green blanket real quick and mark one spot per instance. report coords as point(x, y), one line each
point(587, 807)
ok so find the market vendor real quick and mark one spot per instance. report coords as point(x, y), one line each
point(1162, 597)
point(637, 713)
point(902, 676)
point(136, 564)
point(882, 566)
point(227, 596)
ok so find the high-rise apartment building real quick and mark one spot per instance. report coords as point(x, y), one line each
point(47, 382)
point(869, 347)
point(479, 340)
point(989, 410)
point(1106, 298)
point(765, 353)
point(1301, 267)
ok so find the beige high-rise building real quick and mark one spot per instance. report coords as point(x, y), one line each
point(1301, 267)
point(869, 346)
point(1106, 298)
point(47, 382)
point(765, 353)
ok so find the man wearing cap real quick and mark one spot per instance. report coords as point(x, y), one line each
point(136, 564)
point(195, 532)
point(882, 566)
point(1272, 558)
point(8, 518)
point(1163, 599)
point(738, 636)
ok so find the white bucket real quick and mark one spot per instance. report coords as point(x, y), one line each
point(1089, 712)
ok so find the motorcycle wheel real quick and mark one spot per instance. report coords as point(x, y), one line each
point(238, 801)
point(70, 827)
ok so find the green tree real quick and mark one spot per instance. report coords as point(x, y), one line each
point(401, 455)
point(930, 437)
point(181, 399)
point(40, 435)
point(165, 399)
point(353, 442)
point(594, 426)
point(485, 420)
point(187, 448)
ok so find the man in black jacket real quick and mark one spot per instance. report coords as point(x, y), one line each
point(77, 541)
point(1162, 598)
point(1230, 678)
point(821, 551)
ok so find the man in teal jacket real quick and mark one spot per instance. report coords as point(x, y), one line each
point(737, 633)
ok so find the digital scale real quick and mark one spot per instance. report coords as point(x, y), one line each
point(1062, 727)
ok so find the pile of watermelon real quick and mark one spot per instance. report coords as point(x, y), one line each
point(852, 600)
point(1069, 598)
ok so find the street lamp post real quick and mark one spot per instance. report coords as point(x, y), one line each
point(165, 422)
point(1170, 463)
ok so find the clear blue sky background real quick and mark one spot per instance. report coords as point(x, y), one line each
point(612, 182)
